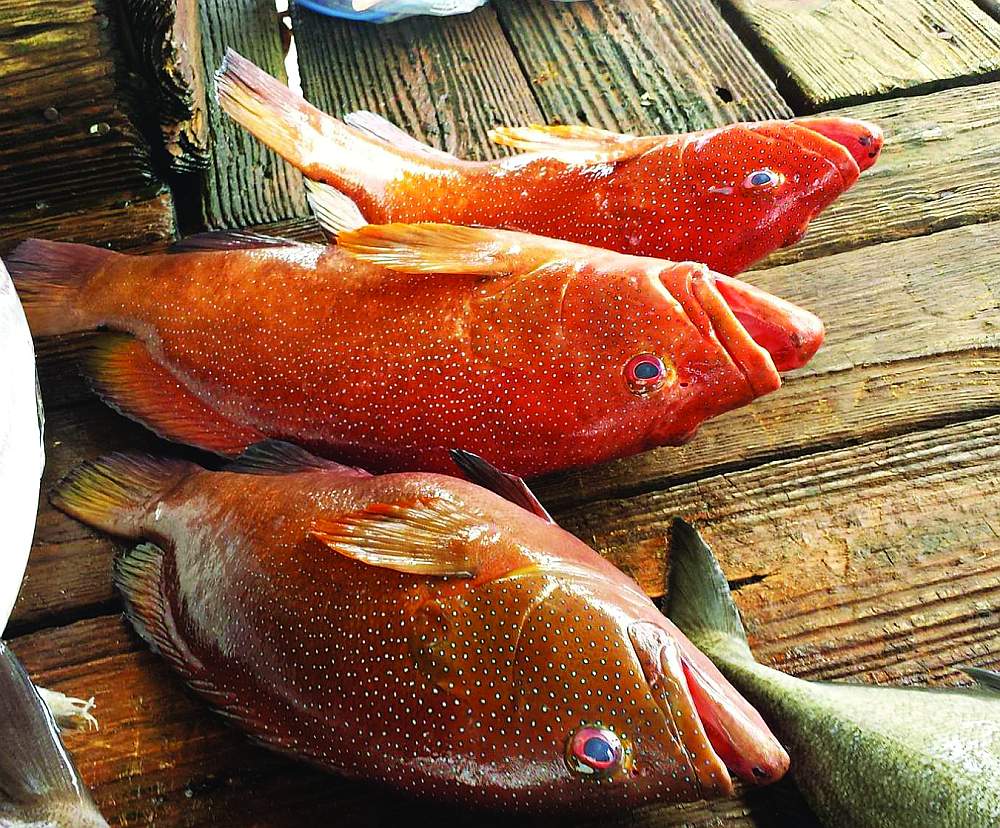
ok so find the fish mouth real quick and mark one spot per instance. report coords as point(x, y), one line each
point(730, 738)
point(862, 139)
point(817, 143)
point(761, 333)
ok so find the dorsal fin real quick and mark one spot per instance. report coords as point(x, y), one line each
point(335, 211)
point(279, 457)
point(453, 249)
point(228, 240)
point(508, 486)
point(379, 127)
point(577, 143)
point(984, 678)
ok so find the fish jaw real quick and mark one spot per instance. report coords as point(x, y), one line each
point(689, 741)
point(736, 734)
point(862, 139)
point(750, 358)
point(790, 334)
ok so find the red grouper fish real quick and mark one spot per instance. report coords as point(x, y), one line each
point(725, 197)
point(536, 353)
point(417, 630)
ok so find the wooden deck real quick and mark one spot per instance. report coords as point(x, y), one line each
point(858, 508)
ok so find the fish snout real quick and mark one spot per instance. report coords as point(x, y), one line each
point(862, 139)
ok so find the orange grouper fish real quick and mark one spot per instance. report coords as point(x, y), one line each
point(417, 630)
point(538, 354)
point(725, 197)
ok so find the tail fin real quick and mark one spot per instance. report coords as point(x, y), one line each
point(39, 785)
point(114, 493)
point(699, 599)
point(49, 277)
point(323, 147)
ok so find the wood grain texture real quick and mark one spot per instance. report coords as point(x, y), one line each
point(66, 138)
point(447, 81)
point(642, 66)
point(166, 36)
point(245, 183)
point(142, 221)
point(902, 352)
point(939, 169)
point(840, 51)
point(877, 561)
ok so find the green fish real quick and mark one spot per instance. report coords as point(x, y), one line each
point(863, 756)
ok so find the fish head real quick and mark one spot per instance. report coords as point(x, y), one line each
point(578, 696)
point(673, 344)
point(753, 188)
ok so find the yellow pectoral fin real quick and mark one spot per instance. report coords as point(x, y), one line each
point(430, 536)
point(454, 249)
point(576, 142)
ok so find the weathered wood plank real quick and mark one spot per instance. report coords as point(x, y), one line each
point(166, 34)
point(638, 65)
point(67, 141)
point(143, 221)
point(245, 183)
point(902, 352)
point(444, 80)
point(879, 560)
point(840, 51)
point(939, 169)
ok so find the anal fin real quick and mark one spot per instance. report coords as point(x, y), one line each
point(125, 375)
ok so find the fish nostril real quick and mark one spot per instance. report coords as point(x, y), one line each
point(760, 773)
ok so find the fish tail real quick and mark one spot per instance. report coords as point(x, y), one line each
point(700, 602)
point(38, 782)
point(115, 492)
point(324, 148)
point(51, 278)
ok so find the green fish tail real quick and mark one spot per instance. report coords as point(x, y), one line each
point(699, 601)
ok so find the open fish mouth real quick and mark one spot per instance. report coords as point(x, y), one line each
point(720, 733)
point(762, 334)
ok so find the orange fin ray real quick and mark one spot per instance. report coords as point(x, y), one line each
point(431, 536)
point(125, 375)
point(582, 143)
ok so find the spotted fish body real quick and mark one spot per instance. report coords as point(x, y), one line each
point(416, 630)
point(535, 353)
point(725, 197)
point(863, 756)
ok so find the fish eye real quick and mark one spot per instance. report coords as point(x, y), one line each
point(645, 373)
point(761, 180)
point(596, 752)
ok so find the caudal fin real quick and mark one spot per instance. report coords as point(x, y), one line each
point(699, 599)
point(39, 785)
point(323, 147)
point(50, 278)
point(114, 492)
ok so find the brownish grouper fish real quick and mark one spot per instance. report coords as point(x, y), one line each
point(39, 785)
point(417, 630)
point(865, 757)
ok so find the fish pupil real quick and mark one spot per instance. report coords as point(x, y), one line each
point(647, 370)
point(598, 750)
point(760, 178)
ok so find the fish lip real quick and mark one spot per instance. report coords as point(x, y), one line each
point(670, 652)
point(752, 360)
